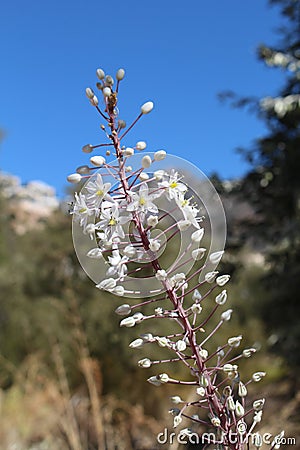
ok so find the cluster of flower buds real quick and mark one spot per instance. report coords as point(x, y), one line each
point(120, 208)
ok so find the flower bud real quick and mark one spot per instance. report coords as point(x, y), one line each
point(257, 376)
point(196, 295)
point(215, 257)
point(145, 363)
point(210, 276)
point(147, 337)
point(226, 315)
point(159, 311)
point(94, 253)
point(140, 145)
point(180, 346)
point(161, 275)
point(163, 341)
point(74, 178)
point(160, 155)
point(109, 80)
point(120, 74)
point(196, 308)
point(222, 280)
point(203, 353)
point(215, 421)
point(242, 391)
point(234, 341)
point(128, 322)
point(198, 235)
point(230, 403)
point(200, 391)
point(88, 148)
point(158, 174)
point(121, 124)
point(128, 151)
point(198, 253)
point(107, 284)
point(221, 298)
point(129, 251)
point(257, 416)
point(137, 343)
point(239, 410)
point(144, 176)
point(118, 290)
point(89, 93)
point(183, 225)
point(94, 101)
point(176, 399)
point(83, 170)
point(138, 317)
point(99, 85)
point(154, 381)
point(146, 162)
point(152, 221)
point(123, 310)
point(106, 92)
point(97, 161)
point(163, 377)
point(154, 245)
point(248, 352)
point(147, 107)
point(100, 74)
point(177, 420)
point(258, 404)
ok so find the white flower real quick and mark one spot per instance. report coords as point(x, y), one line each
point(161, 275)
point(144, 363)
point(123, 310)
point(74, 178)
point(143, 201)
point(97, 191)
point(154, 245)
point(180, 346)
point(147, 107)
point(120, 74)
point(257, 376)
point(81, 210)
point(222, 280)
point(140, 145)
point(107, 284)
point(173, 188)
point(160, 155)
point(198, 235)
point(97, 160)
point(247, 352)
point(117, 265)
point(111, 222)
point(198, 253)
point(152, 221)
point(221, 298)
point(159, 174)
point(210, 276)
point(146, 161)
point(216, 257)
point(95, 253)
point(257, 416)
point(258, 404)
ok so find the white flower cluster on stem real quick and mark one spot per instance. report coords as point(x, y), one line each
point(121, 217)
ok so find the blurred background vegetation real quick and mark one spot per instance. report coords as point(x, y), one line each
point(67, 377)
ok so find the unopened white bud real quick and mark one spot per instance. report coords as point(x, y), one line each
point(138, 317)
point(162, 341)
point(196, 308)
point(120, 74)
point(88, 148)
point(163, 377)
point(230, 403)
point(127, 322)
point(258, 404)
point(239, 410)
point(198, 253)
point(106, 92)
point(226, 315)
point(123, 310)
point(100, 74)
point(145, 363)
point(221, 298)
point(248, 352)
point(180, 346)
point(94, 101)
point(222, 280)
point(118, 290)
point(183, 225)
point(109, 80)
point(176, 399)
point(154, 381)
point(228, 368)
point(107, 284)
point(147, 337)
point(152, 221)
point(210, 276)
point(128, 151)
point(203, 353)
point(129, 251)
point(144, 176)
point(161, 275)
point(147, 107)
point(94, 253)
point(137, 343)
point(257, 376)
point(196, 295)
point(97, 161)
point(200, 391)
point(216, 257)
point(198, 235)
point(242, 391)
point(160, 155)
point(234, 341)
point(140, 145)
point(121, 124)
point(74, 178)
point(177, 420)
point(89, 93)
point(146, 162)
point(257, 416)
point(128, 168)
point(215, 421)
point(83, 170)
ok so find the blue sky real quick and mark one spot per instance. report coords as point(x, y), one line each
point(178, 54)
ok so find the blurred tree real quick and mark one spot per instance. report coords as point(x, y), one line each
point(273, 186)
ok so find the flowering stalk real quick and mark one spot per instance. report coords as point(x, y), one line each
point(122, 217)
